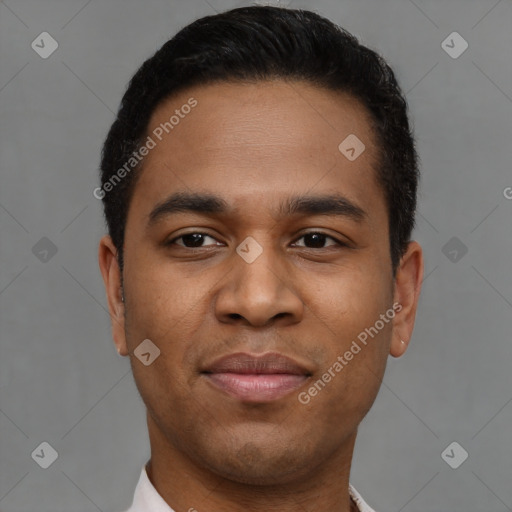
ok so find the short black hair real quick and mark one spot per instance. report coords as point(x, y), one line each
point(262, 43)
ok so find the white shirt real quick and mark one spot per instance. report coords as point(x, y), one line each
point(147, 499)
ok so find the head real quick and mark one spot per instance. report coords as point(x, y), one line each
point(274, 133)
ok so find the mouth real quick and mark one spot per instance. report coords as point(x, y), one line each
point(256, 378)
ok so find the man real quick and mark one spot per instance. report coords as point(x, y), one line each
point(259, 186)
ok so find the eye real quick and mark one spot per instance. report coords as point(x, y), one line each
point(316, 240)
point(190, 240)
point(312, 240)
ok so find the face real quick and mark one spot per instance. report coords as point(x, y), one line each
point(249, 232)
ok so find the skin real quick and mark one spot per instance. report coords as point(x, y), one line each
point(255, 145)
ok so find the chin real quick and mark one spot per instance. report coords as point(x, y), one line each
point(255, 464)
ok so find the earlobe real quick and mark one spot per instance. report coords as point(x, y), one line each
point(398, 346)
point(408, 281)
point(109, 266)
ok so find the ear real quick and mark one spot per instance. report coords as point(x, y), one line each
point(109, 266)
point(408, 279)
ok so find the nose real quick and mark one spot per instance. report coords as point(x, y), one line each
point(259, 294)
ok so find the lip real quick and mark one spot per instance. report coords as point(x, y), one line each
point(256, 378)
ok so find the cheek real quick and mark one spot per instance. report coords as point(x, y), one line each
point(161, 301)
point(169, 309)
point(349, 300)
point(348, 316)
point(166, 311)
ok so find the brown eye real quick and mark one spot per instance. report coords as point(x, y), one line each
point(191, 240)
point(316, 240)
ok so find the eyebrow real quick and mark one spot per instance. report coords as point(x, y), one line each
point(210, 204)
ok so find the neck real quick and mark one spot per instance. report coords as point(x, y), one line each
point(185, 485)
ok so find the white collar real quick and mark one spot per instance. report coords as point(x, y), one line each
point(147, 499)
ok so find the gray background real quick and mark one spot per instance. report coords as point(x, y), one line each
point(61, 380)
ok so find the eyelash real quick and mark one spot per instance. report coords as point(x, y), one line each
point(338, 242)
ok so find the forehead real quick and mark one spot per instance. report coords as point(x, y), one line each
point(259, 140)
